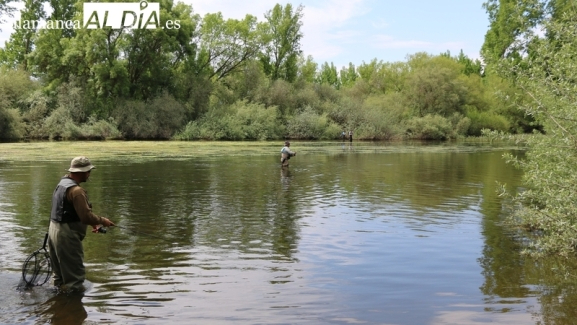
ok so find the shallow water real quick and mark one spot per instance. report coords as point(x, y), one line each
point(357, 235)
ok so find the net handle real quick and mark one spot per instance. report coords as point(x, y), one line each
point(45, 241)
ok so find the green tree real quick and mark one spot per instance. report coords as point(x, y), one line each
point(15, 85)
point(307, 69)
point(557, 8)
point(366, 70)
point(469, 66)
point(328, 75)
point(51, 44)
point(21, 43)
point(64, 10)
point(348, 75)
point(509, 22)
point(284, 34)
point(436, 88)
point(547, 206)
point(226, 44)
point(46, 59)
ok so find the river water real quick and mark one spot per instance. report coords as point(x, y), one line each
point(371, 236)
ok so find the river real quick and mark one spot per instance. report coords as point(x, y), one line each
point(366, 233)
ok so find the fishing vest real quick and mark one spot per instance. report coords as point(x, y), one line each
point(62, 210)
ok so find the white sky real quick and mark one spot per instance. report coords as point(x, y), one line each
point(343, 31)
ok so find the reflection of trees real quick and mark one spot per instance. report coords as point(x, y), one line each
point(503, 266)
point(509, 275)
point(557, 279)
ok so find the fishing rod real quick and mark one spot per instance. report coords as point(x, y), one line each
point(104, 230)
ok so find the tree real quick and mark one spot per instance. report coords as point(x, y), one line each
point(226, 45)
point(348, 75)
point(50, 46)
point(307, 69)
point(435, 90)
point(284, 34)
point(15, 85)
point(16, 50)
point(469, 66)
point(366, 70)
point(547, 206)
point(63, 10)
point(329, 75)
point(558, 8)
point(510, 21)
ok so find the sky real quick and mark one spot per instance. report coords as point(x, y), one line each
point(357, 31)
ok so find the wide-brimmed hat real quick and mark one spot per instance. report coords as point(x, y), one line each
point(80, 164)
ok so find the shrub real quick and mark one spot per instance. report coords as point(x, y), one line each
point(36, 110)
point(435, 90)
point(60, 125)
point(429, 127)
point(280, 94)
point(310, 125)
point(240, 121)
point(11, 125)
point(486, 120)
point(156, 119)
point(14, 87)
point(100, 129)
point(256, 122)
point(381, 116)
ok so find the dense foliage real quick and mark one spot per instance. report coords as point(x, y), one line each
point(236, 79)
point(544, 70)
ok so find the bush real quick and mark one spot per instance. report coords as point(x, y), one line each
point(36, 108)
point(429, 127)
point(310, 125)
point(59, 125)
point(381, 116)
point(280, 94)
point(156, 119)
point(307, 96)
point(255, 122)
point(11, 125)
point(14, 87)
point(435, 90)
point(486, 120)
point(100, 129)
point(240, 121)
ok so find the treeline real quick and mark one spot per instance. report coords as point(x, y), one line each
point(228, 79)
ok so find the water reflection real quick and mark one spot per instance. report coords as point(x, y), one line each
point(63, 309)
point(395, 237)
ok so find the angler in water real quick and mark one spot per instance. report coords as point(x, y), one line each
point(286, 154)
point(70, 215)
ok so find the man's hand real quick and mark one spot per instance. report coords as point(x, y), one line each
point(106, 222)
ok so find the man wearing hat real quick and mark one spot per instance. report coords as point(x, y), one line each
point(70, 215)
point(286, 154)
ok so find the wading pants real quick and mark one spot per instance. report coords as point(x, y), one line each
point(67, 254)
